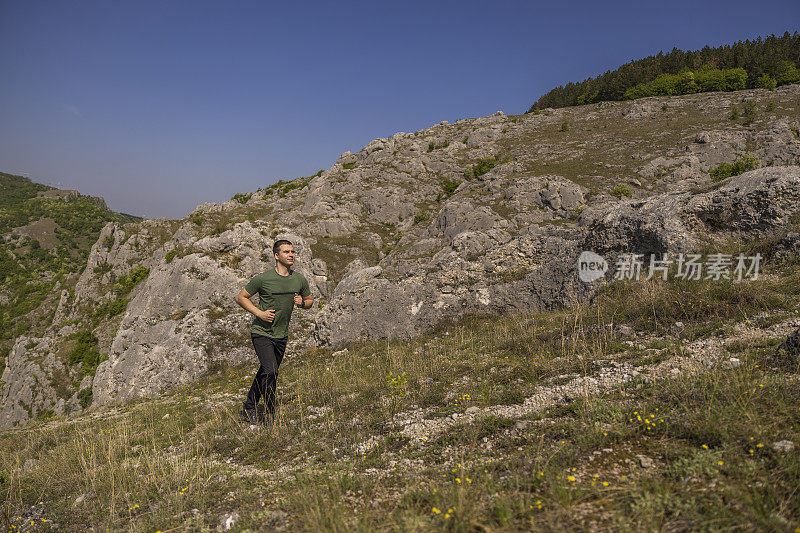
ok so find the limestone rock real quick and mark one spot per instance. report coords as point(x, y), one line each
point(754, 203)
point(34, 381)
point(783, 446)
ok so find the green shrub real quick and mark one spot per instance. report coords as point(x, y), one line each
point(108, 241)
point(125, 284)
point(138, 274)
point(349, 166)
point(734, 112)
point(45, 414)
point(743, 164)
point(85, 351)
point(117, 307)
point(433, 146)
point(85, 348)
point(170, 255)
point(621, 190)
point(481, 167)
point(450, 186)
point(420, 216)
point(564, 126)
point(588, 98)
point(765, 81)
point(749, 114)
point(102, 268)
point(292, 185)
point(691, 81)
point(242, 198)
point(770, 107)
point(274, 187)
point(712, 79)
point(85, 397)
point(788, 74)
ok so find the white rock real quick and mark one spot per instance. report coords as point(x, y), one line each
point(227, 521)
point(783, 446)
point(30, 464)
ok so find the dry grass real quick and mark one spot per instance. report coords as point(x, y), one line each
point(336, 459)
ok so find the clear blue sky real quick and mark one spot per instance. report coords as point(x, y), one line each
point(160, 106)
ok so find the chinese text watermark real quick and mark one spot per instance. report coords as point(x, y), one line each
point(716, 266)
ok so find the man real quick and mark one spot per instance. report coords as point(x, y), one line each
point(279, 290)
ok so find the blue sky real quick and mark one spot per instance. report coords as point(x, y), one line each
point(160, 106)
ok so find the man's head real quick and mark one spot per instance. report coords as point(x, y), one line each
point(284, 252)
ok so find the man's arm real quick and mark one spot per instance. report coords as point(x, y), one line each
point(243, 299)
point(303, 302)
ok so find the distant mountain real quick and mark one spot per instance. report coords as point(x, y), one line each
point(47, 234)
point(761, 63)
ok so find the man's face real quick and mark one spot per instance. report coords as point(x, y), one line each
point(285, 255)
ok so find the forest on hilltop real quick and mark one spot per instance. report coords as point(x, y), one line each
point(766, 63)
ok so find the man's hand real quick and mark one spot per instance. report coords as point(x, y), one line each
point(298, 300)
point(266, 316)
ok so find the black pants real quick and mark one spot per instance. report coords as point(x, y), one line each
point(270, 354)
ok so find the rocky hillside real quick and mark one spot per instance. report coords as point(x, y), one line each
point(486, 215)
point(47, 234)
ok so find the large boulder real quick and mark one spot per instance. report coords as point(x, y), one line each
point(35, 382)
point(750, 205)
point(532, 272)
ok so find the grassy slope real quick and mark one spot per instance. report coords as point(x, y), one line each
point(367, 439)
point(584, 155)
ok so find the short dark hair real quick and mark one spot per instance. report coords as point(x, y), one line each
point(277, 246)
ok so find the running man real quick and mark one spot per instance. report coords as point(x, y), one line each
point(279, 290)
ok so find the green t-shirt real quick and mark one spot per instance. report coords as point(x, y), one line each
point(276, 292)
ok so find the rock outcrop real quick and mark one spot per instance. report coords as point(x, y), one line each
point(750, 205)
